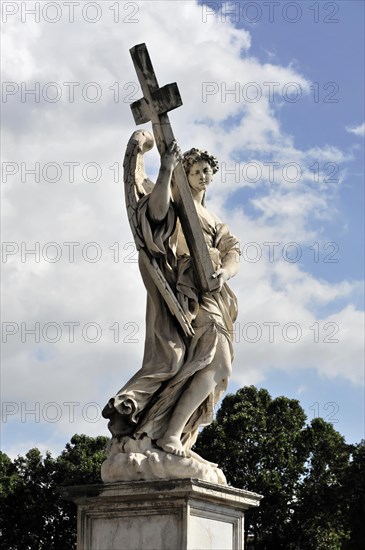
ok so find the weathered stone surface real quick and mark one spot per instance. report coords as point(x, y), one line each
point(186, 257)
point(161, 515)
point(139, 460)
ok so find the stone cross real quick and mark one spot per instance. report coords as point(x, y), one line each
point(154, 107)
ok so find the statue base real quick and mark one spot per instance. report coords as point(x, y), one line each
point(160, 515)
point(138, 460)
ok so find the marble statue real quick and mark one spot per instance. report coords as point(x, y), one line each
point(155, 417)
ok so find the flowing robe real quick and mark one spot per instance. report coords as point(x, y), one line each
point(144, 405)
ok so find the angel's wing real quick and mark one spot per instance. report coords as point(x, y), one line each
point(136, 183)
point(136, 186)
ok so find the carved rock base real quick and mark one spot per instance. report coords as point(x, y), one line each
point(183, 514)
point(132, 460)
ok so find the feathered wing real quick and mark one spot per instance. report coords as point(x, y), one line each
point(136, 186)
point(136, 183)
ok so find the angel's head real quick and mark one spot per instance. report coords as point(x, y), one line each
point(199, 167)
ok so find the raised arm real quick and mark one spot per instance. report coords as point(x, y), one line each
point(159, 200)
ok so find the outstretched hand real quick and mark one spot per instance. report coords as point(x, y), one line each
point(172, 156)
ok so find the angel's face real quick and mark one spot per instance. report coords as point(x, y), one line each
point(200, 175)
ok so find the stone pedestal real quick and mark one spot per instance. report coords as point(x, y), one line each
point(185, 514)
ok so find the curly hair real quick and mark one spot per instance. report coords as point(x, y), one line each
point(197, 155)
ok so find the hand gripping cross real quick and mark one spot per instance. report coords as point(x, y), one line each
point(154, 106)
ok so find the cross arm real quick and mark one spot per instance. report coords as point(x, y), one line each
point(164, 99)
point(154, 107)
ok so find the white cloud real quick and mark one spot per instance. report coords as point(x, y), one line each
point(274, 290)
point(110, 292)
point(357, 130)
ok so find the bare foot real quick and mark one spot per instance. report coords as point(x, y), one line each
point(171, 444)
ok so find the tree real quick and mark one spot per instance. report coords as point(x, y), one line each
point(29, 500)
point(257, 442)
point(354, 489)
point(34, 513)
point(320, 514)
point(80, 462)
point(313, 483)
point(263, 445)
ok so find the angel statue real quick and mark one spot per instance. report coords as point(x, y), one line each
point(188, 348)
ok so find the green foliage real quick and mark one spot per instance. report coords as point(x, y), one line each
point(354, 489)
point(312, 482)
point(264, 445)
point(256, 441)
point(81, 460)
point(33, 513)
point(320, 511)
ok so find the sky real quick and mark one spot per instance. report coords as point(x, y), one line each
point(274, 90)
